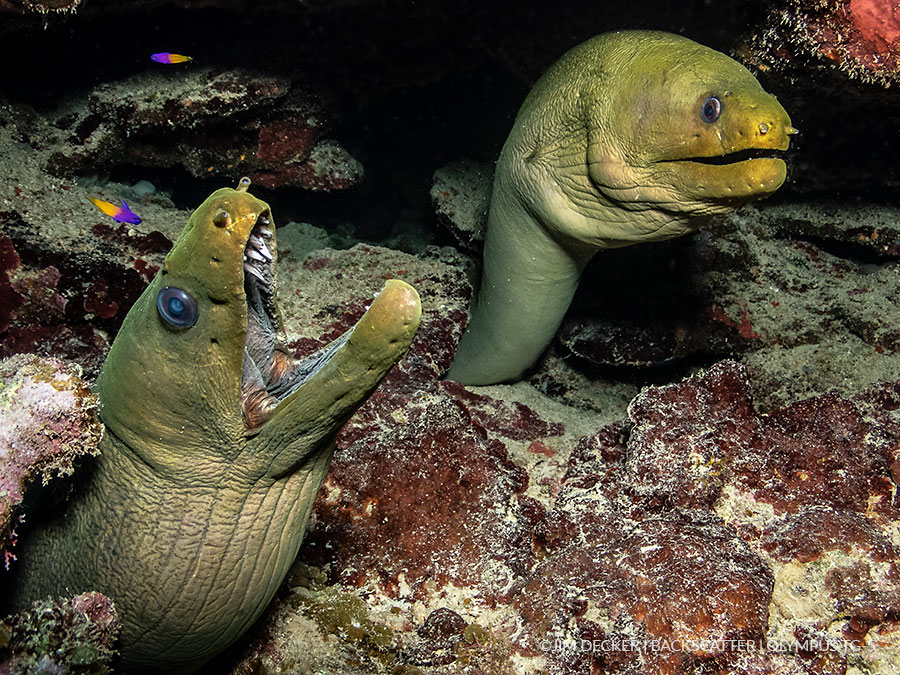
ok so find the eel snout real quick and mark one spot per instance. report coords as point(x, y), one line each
point(383, 334)
point(390, 321)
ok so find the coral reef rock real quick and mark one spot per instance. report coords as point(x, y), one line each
point(786, 288)
point(858, 37)
point(39, 6)
point(480, 530)
point(47, 422)
point(75, 635)
point(461, 195)
point(68, 273)
point(209, 123)
point(828, 60)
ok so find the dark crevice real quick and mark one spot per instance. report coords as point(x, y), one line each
point(860, 254)
point(735, 157)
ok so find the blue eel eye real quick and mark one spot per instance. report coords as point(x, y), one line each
point(176, 307)
point(712, 108)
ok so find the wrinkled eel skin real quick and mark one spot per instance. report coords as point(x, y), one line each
point(630, 137)
point(215, 445)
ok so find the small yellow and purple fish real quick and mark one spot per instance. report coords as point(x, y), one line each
point(121, 213)
point(167, 57)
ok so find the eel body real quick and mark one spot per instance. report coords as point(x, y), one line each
point(630, 137)
point(216, 442)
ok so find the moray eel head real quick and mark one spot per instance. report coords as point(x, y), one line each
point(630, 137)
point(204, 347)
point(727, 151)
point(680, 131)
point(702, 127)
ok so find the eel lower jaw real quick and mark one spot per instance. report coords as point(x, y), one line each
point(731, 178)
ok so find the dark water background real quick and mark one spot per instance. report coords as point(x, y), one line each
point(414, 85)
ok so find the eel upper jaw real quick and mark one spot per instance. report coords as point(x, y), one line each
point(259, 261)
point(729, 177)
point(748, 149)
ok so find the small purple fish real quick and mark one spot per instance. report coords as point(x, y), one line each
point(120, 213)
point(167, 57)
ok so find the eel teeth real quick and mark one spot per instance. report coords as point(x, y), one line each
point(255, 272)
point(264, 251)
point(256, 241)
point(253, 254)
point(267, 233)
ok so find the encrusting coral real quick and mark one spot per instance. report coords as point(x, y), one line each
point(860, 38)
point(71, 636)
point(46, 422)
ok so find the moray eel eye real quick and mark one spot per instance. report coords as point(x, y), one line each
point(712, 108)
point(222, 218)
point(176, 307)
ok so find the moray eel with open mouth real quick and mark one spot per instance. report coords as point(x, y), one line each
point(216, 442)
point(632, 136)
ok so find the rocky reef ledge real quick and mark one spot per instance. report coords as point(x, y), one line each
point(497, 530)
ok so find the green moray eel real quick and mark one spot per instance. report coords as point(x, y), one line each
point(215, 445)
point(630, 137)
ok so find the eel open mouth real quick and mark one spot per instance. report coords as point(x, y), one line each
point(259, 349)
point(270, 373)
point(259, 288)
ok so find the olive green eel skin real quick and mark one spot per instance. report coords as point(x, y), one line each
point(196, 507)
point(630, 137)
